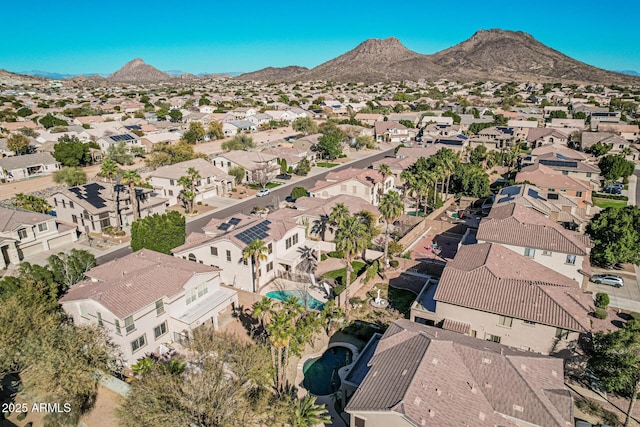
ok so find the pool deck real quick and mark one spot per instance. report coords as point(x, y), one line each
point(317, 291)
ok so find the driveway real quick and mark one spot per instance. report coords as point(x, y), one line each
point(625, 297)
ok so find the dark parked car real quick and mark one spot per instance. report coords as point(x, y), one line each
point(283, 176)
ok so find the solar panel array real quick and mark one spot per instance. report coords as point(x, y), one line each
point(258, 231)
point(90, 193)
point(559, 163)
point(133, 127)
point(234, 221)
point(122, 137)
point(224, 226)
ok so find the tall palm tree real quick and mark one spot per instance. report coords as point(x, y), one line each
point(110, 169)
point(350, 239)
point(391, 208)
point(261, 309)
point(307, 413)
point(308, 263)
point(385, 171)
point(281, 331)
point(338, 214)
point(194, 176)
point(256, 251)
point(132, 178)
point(186, 195)
point(409, 180)
point(369, 221)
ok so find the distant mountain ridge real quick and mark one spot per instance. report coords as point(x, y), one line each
point(137, 71)
point(273, 73)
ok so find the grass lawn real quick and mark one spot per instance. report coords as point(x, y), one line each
point(340, 275)
point(326, 164)
point(399, 299)
point(608, 203)
point(259, 187)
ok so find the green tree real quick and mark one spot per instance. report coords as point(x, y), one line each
point(614, 167)
point(309, 414)
point(298, 192)
point(71, 176)
point(478, 155)
point(188, 183)
point(306, 125)
point(24, 112)
point(32, 203)
point(391, 207)
point(261, 310)
point(283, 166)
point(256, 251)
point(558, 114)
point(350, 239)
point(456, 117)
point(50, 121)
point(132, 178)
point(599, 149)
point(160, 233)
point(364, 141)
point(169, 154)
point(194, 134)
point(616, 236)
point(303, 167)
point(615, 360)
point(69, 269)
point(330, 146)
point(238, 142)
point(214, 129)
point(17, 143)
point(238, 173)
point(70, 151)
point(470, 180)
point(339, 212)
point(580, 115)
point(119, 153)
point(176, 115)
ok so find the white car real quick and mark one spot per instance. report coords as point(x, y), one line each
point(263, 192)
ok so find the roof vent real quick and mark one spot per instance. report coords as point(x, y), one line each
point(482, 416)
point(404, 372)
point(432, 413)
point(486, 361)
point(439, 392)
point(423, 422)
point(518, 408)
point(434, 361)
point(94, 280)
point(523, 367)
point(487, 385)
point(417, 401)
point(554, 373)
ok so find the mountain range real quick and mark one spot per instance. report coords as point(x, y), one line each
point(496, 55)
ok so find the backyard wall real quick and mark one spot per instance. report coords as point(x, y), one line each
point(410, 238)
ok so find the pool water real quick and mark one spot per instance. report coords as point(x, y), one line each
point(321, 374)
point(302, 296)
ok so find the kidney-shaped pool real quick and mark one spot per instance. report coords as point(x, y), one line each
point(321, 374)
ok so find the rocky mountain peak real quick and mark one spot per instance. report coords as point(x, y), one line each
point(137, 71)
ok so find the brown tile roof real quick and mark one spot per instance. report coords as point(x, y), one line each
point(560, 149)
point(178, 170)
point(126, 285)
point(427, 375)
point(314, 206)
point(368, 177)
point(532, 197)
point(579, 167)
point(452, 325)
point(491, 278)
point(545, 177)
point(13, 218)
point(517, 225)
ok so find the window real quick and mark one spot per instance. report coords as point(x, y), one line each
point(270, 248)
point(245, 261)
point(138, 343)
point(170, 192)
point(228, 255)
point(160, 330)
point(588, 174)
point(22, 233)
point(343, 188)
point(202, 289)
point(117, 325)
point(43, 227)
point(55, 201)
point(287, 243)
point(64, 203)
point(83, 311)
point(529, 323)
point(562, 334)
point(505, 321)
point(571, 259)
point(192, 257)
point(214, 251)
point(159, 307)
point(354, 189)
point(359, 422)
point(494, 338)
point(578, 193)
point(129, 325)
point(191, 295)
point(172, 182)
point(105, 223)
point(295, 239)
point(547, 253)
point(529, 252)
point(473, 333)
point(270, 266)
point(74, 219)
point(99, 316)
point(71, 205)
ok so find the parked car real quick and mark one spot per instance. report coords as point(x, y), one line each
point(263, 192)
point(608, 279)
point(283, 176)
point(612, 190)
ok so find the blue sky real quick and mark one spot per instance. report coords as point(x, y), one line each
point(219, 36)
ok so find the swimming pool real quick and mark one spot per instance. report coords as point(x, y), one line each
point(302, 296)
point(321, 374)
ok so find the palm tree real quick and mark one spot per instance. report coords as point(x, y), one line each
point(186, 195)
point(308, 414)
point(369, 221)
point(261, 309)
point(350, 239)
point(132, 178)
point(308, 263)
point(385, 171)
point(110, 169)
point(391, 208)
point(194, 176)
point(256, 251)
point(409, 180)
point(281, 331)
point(338, 214)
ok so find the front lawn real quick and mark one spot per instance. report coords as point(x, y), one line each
point(269, 185)
point(326, 164)
point(340, 275)
point(608, 203)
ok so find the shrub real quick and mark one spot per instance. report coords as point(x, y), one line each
point(199, 203)
point(338, 289)
point(323, 257)
point(602, 300)
point(336, 254)
point(372, 271)
point(600, 313)
point(634, 315)
point(21, 416)
point(394, 263)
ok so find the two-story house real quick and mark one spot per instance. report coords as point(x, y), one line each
point(213, 181)
point(94, 206)
point(368, 184)
point(129, 139)
point(259, 167)
point(148, 300)
point(24, 233)
point(552, 181)
point(529, 233)
point(222, 242)
point(394, 132)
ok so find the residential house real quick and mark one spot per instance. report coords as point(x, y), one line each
point(148, 300)
point(243, 112)
point(369, 119)
point(530, 233)
point(259, 119)
point(27, 166)
point(393, 132)
point(629, 132)
point(259, 167)
point(551, 181)
point(129, 139)
point(24, 233)
point(368, 184)
point(94, 206)
point(604, 118)
point(573, 167)
point(537, 137)
point(492, 293)
point(418, 375)
point(222, 242)
point(495, 137)
point(149, 140)
point(618, 144)
point(213, 181)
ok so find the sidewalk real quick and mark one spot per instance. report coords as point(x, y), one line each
point(633, 184)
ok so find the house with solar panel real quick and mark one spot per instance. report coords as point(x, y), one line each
point(129, 139)
point(222, 241)
point(259, 166)
point(147, 301)
point(94, 206)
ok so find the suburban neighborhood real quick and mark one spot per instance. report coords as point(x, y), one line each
point(221, 251)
